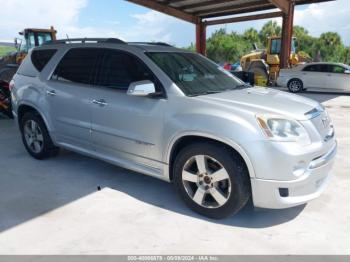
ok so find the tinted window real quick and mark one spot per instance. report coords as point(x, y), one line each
point(316, 68)
point(78, 65)
point(337, 69)
point(41, 57)
point(119, 69)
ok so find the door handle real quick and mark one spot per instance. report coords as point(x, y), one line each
point(100, 102)
point(51, 92)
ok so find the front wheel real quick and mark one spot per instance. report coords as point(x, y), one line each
point(295, 86)
point(211, 180)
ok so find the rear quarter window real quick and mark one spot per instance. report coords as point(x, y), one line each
point(40, 58)
point(35, 62)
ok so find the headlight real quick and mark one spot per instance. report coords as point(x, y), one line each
point(279, 128)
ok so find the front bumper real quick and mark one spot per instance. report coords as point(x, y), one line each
point(283, 194)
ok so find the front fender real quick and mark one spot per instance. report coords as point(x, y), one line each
point(230, 143)
point(228, 129)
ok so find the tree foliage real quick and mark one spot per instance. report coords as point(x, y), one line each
point(230, 46)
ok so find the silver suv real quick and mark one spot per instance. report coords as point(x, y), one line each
point(177, 116)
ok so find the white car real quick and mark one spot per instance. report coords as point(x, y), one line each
point(316, 76)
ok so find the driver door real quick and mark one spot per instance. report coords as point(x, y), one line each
point(315, 76)
point(123, 126)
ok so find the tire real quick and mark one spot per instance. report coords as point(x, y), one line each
point(259, 71)
point(7, 73)
point(295, 85)
point(36, 138)
point(200, 192)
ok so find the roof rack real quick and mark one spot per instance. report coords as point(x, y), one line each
point(85, 40)
point(149, 43)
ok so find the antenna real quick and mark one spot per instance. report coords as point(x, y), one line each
point(67, 37)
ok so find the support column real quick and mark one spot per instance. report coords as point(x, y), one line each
point(201, 38)
point(287, 34)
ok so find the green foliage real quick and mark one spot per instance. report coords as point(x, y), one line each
point(252, 36)
point(269, 29)
point(5, 50)
point(225, 46)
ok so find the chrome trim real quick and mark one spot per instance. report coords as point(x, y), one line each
point(123, 137)
point(330, 135)
point(317, 111)
point(318, 162)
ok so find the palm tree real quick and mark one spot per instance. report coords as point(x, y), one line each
point(271, 28)
point(252, 36)
point(331, 39)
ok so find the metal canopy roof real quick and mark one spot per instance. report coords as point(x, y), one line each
point(196, 10)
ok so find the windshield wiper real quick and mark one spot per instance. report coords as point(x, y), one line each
point(243, 86)
point(206, 93)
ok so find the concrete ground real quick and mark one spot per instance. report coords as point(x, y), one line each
point(54, 207)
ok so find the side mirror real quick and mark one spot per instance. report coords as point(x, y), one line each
point(16, 43)
point(141, 88)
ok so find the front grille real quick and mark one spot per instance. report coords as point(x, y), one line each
point(323, 125)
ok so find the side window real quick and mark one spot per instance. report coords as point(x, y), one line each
point(324, 68)
point(119, 69)
point(77, 66)
point(275, 46)
point(313, 68)
point(30, 41)
point(40, 58)
point(337, 69)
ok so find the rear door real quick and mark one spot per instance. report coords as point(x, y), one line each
point(123, 126)
point(315, 76)
point(68, 96)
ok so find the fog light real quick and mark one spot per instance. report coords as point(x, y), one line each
point(299, 169)
point(284, 192)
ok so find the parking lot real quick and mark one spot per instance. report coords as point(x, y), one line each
point(54, 206)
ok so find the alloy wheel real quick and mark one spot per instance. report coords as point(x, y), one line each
point(295, 85)
point(206, 181)
point(33, 136)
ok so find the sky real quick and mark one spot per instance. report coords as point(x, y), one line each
point(130, 22)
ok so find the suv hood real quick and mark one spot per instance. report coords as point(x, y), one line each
point(265, 100)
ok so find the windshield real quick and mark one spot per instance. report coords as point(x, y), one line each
point(34, 39)
point(194, 74)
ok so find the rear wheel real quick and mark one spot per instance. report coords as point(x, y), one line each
point(295, 86)
point(211, 180)
point(36, 138)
